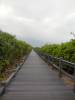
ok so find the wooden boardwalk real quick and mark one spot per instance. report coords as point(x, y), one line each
point(36, 82)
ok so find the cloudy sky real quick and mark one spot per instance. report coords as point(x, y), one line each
point(38, 21)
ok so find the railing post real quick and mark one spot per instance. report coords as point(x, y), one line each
point(60, 67)
point(48, 59)
point(74, 79)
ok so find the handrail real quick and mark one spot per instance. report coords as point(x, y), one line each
point(60, 67)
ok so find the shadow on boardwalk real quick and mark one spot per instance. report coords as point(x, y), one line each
point(35, 82)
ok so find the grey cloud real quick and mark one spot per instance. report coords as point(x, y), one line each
point(38, 21)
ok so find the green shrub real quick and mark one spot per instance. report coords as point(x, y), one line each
point(11, 49)
point(65, 50)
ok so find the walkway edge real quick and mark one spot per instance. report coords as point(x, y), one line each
point(5, 83)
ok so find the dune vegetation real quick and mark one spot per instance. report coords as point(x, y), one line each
point(11, 50)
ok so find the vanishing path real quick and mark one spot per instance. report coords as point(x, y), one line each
point(36, 82)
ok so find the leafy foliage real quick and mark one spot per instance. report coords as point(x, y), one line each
point(65, 50)
point(11, 49)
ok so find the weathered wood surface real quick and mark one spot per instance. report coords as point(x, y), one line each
point(36, 82)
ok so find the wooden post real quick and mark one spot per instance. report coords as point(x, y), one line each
point(74, 79)
point(52, 62)
point(48, 59)
point(60, 66)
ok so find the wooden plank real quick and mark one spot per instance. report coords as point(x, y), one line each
point(36, 82)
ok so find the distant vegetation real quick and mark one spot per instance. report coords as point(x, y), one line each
point(65, 50)
point(11, 49)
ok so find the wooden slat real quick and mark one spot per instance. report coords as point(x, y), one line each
point(36, 82)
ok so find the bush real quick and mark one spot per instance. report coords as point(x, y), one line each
point(11, 49)
point(65, 50)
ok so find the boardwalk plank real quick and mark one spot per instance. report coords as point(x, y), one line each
point(36, 82)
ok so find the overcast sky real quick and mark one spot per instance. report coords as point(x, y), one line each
point(38, 21)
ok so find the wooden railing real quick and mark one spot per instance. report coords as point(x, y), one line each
point(63, 66)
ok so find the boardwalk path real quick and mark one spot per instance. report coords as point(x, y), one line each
point(36, 82)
